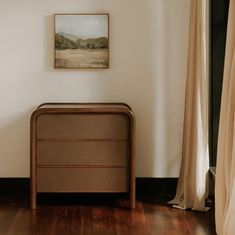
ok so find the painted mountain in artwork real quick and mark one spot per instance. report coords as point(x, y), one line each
point(68, 41)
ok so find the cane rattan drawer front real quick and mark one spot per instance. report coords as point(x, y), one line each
point(82, 153)
point(82, 148)
point(82, 180)
point(82, 126)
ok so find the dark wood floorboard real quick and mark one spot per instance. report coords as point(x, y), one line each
point(99, 215)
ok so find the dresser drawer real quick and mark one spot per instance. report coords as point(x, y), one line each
point(82, 126)
point(82, 180)
point(82, 153)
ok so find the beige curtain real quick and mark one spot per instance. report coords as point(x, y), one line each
point(225, 169)
point(192, 184)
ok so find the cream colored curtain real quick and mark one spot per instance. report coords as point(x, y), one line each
point(225, 169)
point(192, 184)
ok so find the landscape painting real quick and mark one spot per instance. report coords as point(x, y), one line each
point(81, 41)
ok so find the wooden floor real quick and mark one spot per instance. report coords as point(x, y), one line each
point(99, 215)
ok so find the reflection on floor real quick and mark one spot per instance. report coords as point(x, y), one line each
point(101, 214)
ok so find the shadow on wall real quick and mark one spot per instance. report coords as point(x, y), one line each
point(159, 103)
point(14, 145)
point(175, 80)
point(48, 43)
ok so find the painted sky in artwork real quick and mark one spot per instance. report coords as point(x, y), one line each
point(83, 26)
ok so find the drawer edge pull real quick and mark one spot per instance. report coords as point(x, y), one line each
point(82, 140)
point(84, 166)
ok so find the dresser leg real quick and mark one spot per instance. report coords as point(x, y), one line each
point(33, 192)
point(33, 201)
point(132, 203)
point(132, 196)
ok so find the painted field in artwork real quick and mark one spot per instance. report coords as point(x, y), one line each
point(81, 58)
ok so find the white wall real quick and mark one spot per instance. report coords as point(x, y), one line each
point(148, 48)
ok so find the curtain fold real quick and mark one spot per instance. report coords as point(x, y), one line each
point(225, 169)
point(192, 188)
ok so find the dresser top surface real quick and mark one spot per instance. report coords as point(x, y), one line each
point(84, 106)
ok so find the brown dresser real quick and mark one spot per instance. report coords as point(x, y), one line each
point(82, 148)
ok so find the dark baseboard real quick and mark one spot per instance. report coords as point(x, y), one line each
point(144, 186)
point(156, 186)
point(14, 185)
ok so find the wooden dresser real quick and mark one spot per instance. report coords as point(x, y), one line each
point(82, 148)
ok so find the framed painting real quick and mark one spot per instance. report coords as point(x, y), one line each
point(81, 41)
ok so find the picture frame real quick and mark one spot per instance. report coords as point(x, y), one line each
point(81, 41)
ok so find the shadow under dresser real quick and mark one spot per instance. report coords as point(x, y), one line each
point(78, 147)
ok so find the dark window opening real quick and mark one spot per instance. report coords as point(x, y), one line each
point(219, 18)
